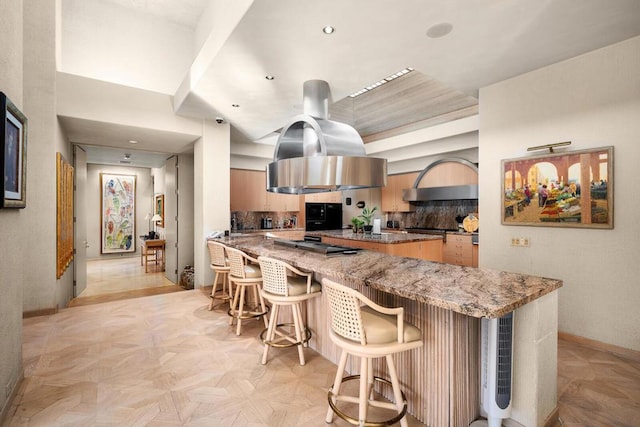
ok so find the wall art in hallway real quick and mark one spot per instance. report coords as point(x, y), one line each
point(117, 213)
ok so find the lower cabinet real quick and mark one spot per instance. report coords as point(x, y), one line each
point(459, 250)
point(430, 250)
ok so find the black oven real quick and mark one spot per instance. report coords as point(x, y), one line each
point(323, 216)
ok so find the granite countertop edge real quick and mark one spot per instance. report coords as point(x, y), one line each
point(476, 292)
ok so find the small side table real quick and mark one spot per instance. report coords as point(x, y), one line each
point(151, 247)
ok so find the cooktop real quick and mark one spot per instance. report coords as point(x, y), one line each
point(319, 247)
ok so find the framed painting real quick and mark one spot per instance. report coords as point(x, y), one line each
point(64, 214)
point(160, 209)
point(13, 130)
point(571, 189)
point(117, 213)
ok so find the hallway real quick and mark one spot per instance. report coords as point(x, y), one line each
point(122, 278)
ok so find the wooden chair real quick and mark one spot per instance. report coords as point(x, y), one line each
point(367, 330)
point(282, 290)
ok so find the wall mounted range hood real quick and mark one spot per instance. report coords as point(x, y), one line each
point(314, 154)
point(451, 192)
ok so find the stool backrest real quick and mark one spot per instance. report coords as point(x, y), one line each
point(344, 304)
point(274, 276)
point(217, 254)
point(236, 262)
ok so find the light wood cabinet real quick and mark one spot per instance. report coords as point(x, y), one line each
point(430, 250)
point(249, 194)
point(330, 197)
point(458, 250)
point(370, 246)
point(392, 193)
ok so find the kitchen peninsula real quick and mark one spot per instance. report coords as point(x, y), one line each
point(446, 302)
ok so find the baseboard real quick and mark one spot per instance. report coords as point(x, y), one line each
point(552, 419)
point(625, 353)
point(4, 413)
point(41, 312)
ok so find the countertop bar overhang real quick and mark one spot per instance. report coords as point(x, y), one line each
point(476, 292)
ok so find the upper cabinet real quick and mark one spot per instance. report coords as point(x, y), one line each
point(329, 197)
point(392, 193)
point(249, 194)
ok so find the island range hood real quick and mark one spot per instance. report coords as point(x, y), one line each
point(314, 154)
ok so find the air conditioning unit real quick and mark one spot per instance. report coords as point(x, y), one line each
point(496, 373)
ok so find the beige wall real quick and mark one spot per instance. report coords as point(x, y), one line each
point(41, 289)
point(13, 224)
point(144, 205)
point(592, 100)
point(211, 193)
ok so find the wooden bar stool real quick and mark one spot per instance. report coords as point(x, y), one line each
point(368, 331)
point(220, 265)
point(282, 290)
point(245, 273)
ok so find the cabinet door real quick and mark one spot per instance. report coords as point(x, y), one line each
point(404, 181)
point(388, 196)
point(392, 193)
point(329, 197)
point(242, 185)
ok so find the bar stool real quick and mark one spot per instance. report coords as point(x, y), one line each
point(245, 275)
point(368, 331)
point(281, 290)
point(220, 264)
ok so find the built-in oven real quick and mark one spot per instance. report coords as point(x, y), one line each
point(323, 216)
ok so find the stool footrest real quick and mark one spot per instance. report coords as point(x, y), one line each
point(248, 313)
point(355, 421)
point(290, 338)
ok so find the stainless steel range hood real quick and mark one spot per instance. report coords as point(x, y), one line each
point(314, 154)
point(436, 193)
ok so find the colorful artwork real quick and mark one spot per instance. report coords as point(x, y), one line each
point(13, 159)
point(64, 210)
point(117, 213)
point(571, 189)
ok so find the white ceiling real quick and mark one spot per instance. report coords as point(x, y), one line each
point(490, 41)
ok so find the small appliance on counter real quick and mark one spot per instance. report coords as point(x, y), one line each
point(266, 223)
point(393, 224)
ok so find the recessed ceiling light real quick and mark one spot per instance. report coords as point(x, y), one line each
point(269, 77)
point(381, 82)
point(328, 29)
point(133, 141)
point(439, 30)
point(235, 105)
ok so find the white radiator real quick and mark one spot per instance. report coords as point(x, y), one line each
point(496, 373)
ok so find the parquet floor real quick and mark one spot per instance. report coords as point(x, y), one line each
point(122, 278)
point(165, 360)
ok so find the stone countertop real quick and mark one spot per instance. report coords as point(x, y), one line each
point(476, 292)
point(388, 238)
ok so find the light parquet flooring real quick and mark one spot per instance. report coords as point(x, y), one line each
point(165, 360)
point(596, 388)
point(122, 278)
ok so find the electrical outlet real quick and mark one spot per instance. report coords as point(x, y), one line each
point(520, 241)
